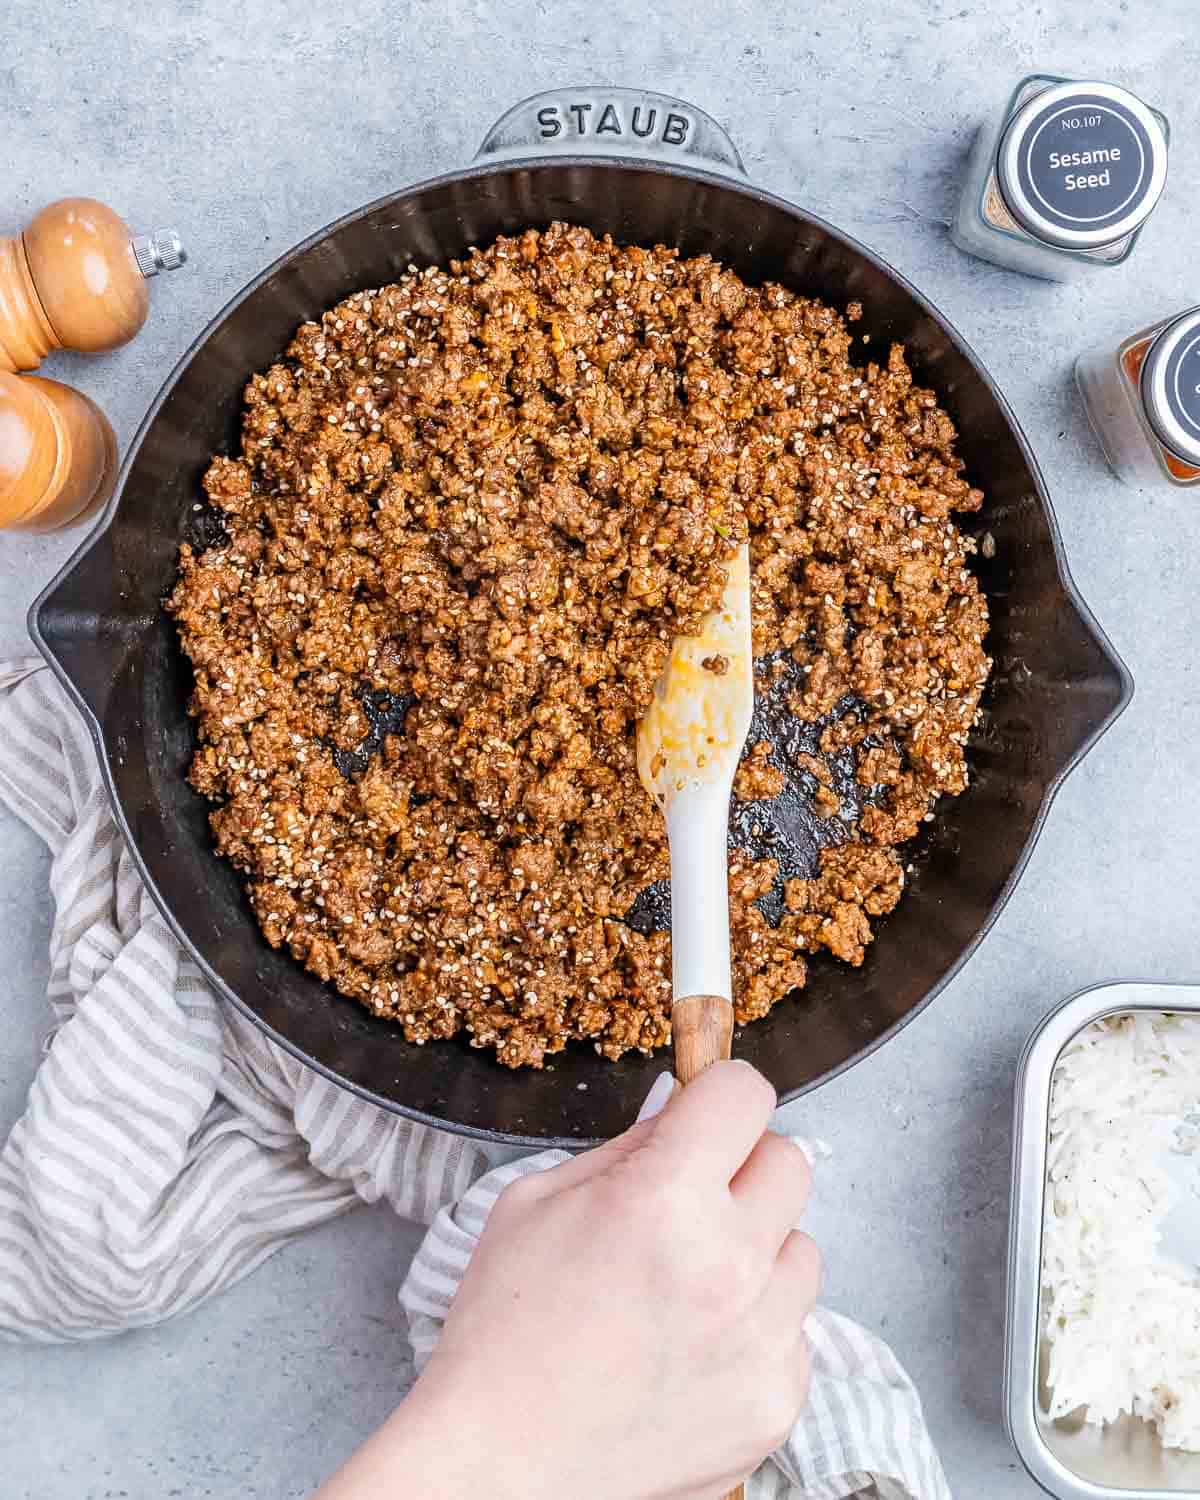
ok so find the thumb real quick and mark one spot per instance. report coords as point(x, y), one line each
point(589, 1164)
point(656, 1100)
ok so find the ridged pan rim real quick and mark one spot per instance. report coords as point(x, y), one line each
point(533, 164)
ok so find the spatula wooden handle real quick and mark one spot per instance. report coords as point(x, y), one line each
point(702, 1026)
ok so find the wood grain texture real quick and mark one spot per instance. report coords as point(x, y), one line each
point(58, 455)
point(88, 284)
point(702, 1029)
point(25, 333)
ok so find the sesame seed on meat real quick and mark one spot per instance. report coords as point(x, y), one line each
point(488, 498)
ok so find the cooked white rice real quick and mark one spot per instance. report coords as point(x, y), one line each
point(1123, 1321)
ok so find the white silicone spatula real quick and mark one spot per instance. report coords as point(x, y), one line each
point(688, 745)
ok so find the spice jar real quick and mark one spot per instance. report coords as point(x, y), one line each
point(1143, 399)
point(1064, 180)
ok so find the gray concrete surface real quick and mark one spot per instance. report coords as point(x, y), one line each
point(252, 124)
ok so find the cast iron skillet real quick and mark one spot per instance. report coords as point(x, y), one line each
point(1057, 685)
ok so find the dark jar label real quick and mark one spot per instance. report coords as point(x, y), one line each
point(1171, 387)
point(1182, 381)
point(1082, 165)
point(1085, 163)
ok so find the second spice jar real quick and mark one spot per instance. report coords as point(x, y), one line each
point(1143, 399)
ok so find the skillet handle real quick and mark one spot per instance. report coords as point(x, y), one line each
point(632, 124)
point(87, 648)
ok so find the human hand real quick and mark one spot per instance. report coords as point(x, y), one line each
point(631, 1324)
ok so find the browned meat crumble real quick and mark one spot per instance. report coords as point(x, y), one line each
point(490, 496)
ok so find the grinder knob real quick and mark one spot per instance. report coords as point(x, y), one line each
point(58, 455)
point(76, 279)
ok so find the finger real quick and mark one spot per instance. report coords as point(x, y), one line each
point(791, 1293)
point(772, 1187)
point(656, 1100)
point(589, 1164)
point(709, 1128)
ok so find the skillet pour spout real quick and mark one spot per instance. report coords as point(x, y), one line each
point(1057, 683)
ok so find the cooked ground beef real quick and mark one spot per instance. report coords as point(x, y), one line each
point(470, 512)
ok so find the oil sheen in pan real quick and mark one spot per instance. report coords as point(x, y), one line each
point(786, 828)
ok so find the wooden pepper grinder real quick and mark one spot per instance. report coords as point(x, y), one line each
point(76, 279)
point(58, 455)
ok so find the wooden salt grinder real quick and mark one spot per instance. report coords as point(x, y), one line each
point(58, 455)
point(76, 279)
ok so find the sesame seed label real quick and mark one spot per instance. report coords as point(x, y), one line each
point(1084, 164)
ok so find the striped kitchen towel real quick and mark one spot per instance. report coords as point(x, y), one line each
point(168, 1147)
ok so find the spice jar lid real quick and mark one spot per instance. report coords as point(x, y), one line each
point(1170, 385)
point(1082, 164)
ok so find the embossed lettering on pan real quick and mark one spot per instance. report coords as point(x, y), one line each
point(581, 119)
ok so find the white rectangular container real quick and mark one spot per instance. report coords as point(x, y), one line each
point(1068, 1458)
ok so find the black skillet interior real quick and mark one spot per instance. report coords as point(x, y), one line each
point(1057, 683)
